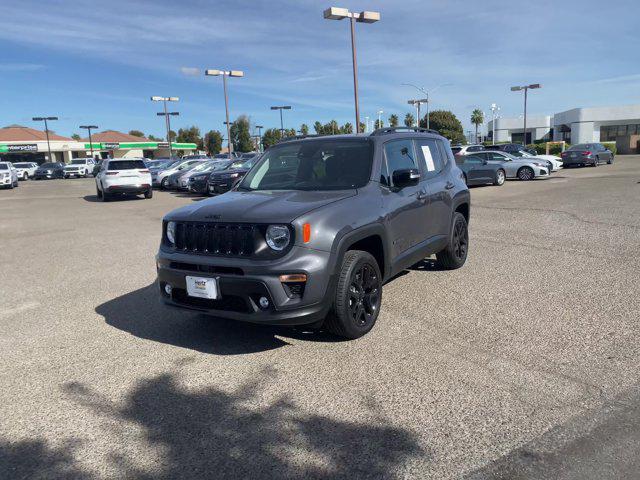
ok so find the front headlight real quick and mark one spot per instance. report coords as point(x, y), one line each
point(278, 237)
point(171, 232)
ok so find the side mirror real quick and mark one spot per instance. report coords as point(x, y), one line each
point(406, 177)
point(485, 162)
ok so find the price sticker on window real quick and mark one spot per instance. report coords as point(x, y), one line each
point(426, 153)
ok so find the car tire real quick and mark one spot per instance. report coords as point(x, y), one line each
point(526, 174)
point(499, 178)
point(610, 161)
point(596, 162)
point(455, 254)
point(103, 196)
point(164, 183)
point(148, 193)
point(357, 299)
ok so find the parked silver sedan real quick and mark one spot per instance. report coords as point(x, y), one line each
point(522, 168)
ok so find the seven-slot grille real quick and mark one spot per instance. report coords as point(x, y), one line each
point(228, 239)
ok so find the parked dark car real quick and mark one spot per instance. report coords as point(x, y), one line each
point(478, 171)
point(199, 183)
point(223, 181)
point(313, 231)
point(583, 154)
point(49, 170)
point(507, 147)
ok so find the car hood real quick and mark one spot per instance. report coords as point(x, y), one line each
point(258, 207)
point(82, 165)
point(222, 173)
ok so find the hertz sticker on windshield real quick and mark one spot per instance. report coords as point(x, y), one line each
point(426, 153)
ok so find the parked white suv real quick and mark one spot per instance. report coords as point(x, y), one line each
point(8, 175)
point(122, 177)
point(79, 167)
point(25, 170)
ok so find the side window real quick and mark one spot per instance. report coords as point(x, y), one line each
point(399, 155)
point(445, 152)
point(497, 156)
point(384, 173)
point(473, 161)
point(430, 157)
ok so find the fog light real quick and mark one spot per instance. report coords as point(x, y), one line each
point(264, 302)
point(167, 289)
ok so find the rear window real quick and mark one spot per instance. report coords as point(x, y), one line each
point(78, 162)
point(126, 165)
point(22, 165)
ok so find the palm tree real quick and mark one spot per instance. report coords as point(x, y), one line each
point(477, 118)
point(393, 120)
point(409, 120)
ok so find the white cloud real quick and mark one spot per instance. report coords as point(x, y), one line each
point(20, 67)
point(190, 71)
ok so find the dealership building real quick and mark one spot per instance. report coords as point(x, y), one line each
point(25, 144)
point(619, 124)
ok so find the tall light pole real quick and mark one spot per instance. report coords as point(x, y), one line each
point(225, 74)
point(426, 99)
point(526, 89)
point(335, 13)
point(259, 127)
point(89, 128)
point(166, 115)
point(366, 124)
point(380, 112)
point(494, 113)
point(417, 104)
point(46, 130)
point(282, 107)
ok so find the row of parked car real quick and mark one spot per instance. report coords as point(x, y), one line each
point(493, 164)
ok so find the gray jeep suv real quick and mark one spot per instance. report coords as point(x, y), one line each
point(315, 228)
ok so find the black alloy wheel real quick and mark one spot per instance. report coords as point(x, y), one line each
point(364, 295)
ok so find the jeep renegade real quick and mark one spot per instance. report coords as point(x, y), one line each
point(315, 228)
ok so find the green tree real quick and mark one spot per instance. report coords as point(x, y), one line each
point(318, 127)
point(290, 132)
point(346, 128)
point(331, 128)
point(304, 129)
point(409, 120)
point(190, 135)
point(241, 134)
point(213, 142)
point(446, 123)
point(270, 137)
point(76, 137)
point(154, 138)
point(378, 124)
point(393, 120)
point(477, 118)
point(136, 133)
point(172, 135)
point(363, 127)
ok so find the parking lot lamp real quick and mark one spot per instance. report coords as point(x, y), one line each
point(166, 115)
point(417, 103)
point(259, 127)
point(89, 128)
point(46, 129)
point(526, 89)
point(225, 74)
point(380, 112)
point(282, 107)
point(425, 100)
point(335, 13)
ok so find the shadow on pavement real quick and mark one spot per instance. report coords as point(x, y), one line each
point(142, 314)
point(34, 459)
point(94, 198)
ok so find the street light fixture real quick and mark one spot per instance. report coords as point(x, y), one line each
point(283, 107)
point(426, 99)
point(380, 112)
point(335, 13)
point(526, 88)
point(225, 74)
point(259, 127)
point(89, 128)
point(166, 117)
point(46, 129)
point(417, 103)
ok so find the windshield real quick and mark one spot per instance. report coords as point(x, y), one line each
point(49, 165)
point(582, 146)
point(323, 164)
point(22, 165)
point(4, 166)
point(203, 167)
point(126, 165)
point(78, 162)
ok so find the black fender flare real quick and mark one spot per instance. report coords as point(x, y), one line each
point(342, 244)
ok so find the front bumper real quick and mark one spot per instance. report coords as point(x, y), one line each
point(220, 186)
point(39, 176)
point(128, 189)
point(6, 181)
point(198, 187)
point(242, 282)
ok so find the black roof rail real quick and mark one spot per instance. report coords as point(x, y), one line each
point(388, 130)
point(299, 137)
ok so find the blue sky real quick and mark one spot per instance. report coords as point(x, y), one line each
point(99, 62)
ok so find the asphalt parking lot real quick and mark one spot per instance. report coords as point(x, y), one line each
point(522, 364)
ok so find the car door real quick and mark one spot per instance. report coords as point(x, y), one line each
point(407, 207)
point(472, 168)
point(432, 158)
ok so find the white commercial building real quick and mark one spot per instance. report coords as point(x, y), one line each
point(619, 124)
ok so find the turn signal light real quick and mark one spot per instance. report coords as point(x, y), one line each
point(306, 232)
point(293, 278)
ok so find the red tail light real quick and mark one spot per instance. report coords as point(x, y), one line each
point(112, 173)
point(144, 171)
point(586, 154)
point(563, 154)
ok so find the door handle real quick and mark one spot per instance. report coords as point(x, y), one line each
point(449, 186)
